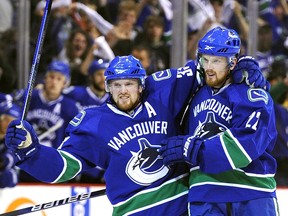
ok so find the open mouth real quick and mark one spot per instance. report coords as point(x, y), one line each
point(210, 74)
point(124, 98)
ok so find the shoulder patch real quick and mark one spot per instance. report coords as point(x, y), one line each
point(161, 75)
point(78, 118)
point(258, 95)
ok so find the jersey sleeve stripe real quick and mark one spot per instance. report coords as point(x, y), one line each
point(236, 154)
point(72, 166)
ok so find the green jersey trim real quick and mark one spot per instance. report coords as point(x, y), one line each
point(72, 166)
point(235, 153)
point(149, 198)
point(234, 178)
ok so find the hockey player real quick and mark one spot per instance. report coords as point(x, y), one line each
point(94, 94)
point(50, 111)
point(122, 136)
point(232, 132)
point(8, 112)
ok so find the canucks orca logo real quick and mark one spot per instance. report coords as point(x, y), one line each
point(255, 95)
point(78, 118)
point(161, 75)
point(210, 127)
point(146, 166)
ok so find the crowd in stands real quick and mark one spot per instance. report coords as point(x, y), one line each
point(83, 36)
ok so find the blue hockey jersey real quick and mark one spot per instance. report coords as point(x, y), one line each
point(49, 118)
point(84, 96)
point(238, 125)
point(126, 146)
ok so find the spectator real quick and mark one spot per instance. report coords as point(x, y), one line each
point(121, 37)
point(279, 92)
point(162, 8)
point(238, 21)
point(59, 28)
point(8, 66)
point(6, 15)
point(152, 36)
point(280, 151)
point(143, 53)
point(74, 53)
point(99, 22)
point(97, 31)
point(264, 53)
point(278, 78)
point(100, 48)
point(195, 36)
point(276, 15)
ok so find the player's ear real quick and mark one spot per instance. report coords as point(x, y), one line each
point(67, 83)
point(140, 89)
point(233, 63)
point(107, 87)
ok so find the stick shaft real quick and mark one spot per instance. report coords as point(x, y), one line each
point(56, 203)
point(51, 130)
point(36, 59)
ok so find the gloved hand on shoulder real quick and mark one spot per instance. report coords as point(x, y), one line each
point(21, 139)
point(247, 69)
point(180, 148)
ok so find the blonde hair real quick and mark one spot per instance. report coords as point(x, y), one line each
point(127, 5)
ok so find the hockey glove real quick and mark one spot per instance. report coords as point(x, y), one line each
point(180, 148)
point(247, 69)
point(21, 139)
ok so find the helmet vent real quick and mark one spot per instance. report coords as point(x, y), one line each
point(109, 72)
point(223, 50)
point(135, 71)
point(234, 42)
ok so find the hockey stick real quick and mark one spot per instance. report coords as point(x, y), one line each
point(36, 59)
point(52, 129)
point(55, 203)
